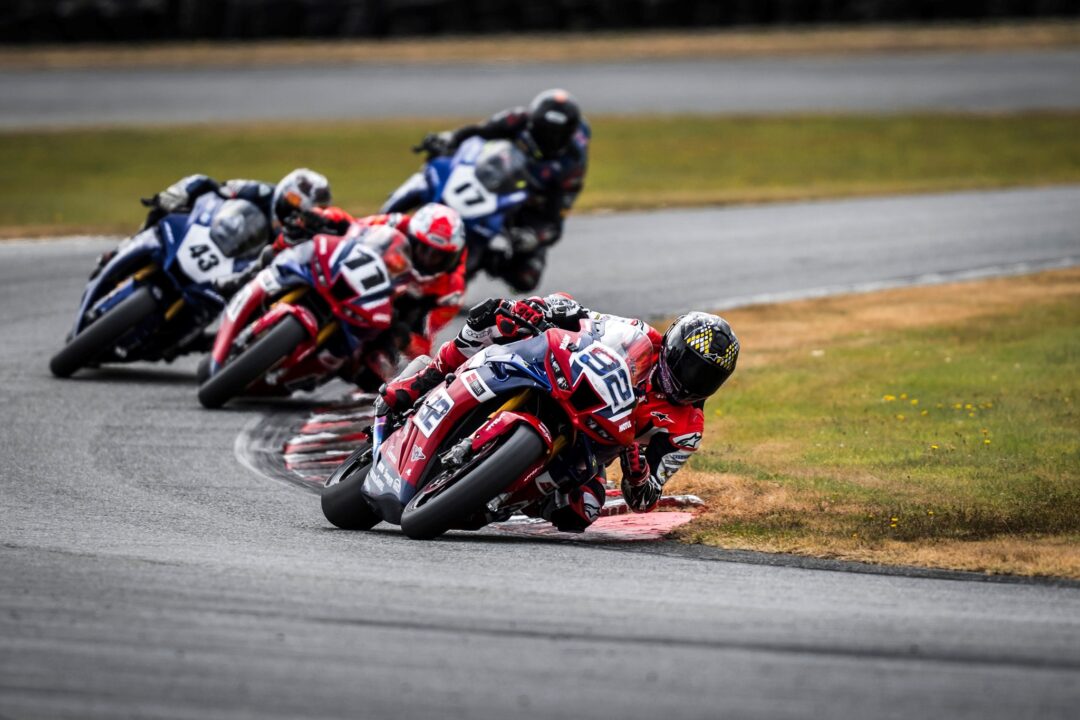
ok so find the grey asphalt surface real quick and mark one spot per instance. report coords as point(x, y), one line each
point(144, 573)
point(933, 81)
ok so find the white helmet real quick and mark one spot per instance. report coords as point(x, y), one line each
point(299, 192)
point(437, 237)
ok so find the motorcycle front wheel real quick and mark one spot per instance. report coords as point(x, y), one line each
point(100, 336)
point(250, 365)
point(429, 515)
point(343, 502)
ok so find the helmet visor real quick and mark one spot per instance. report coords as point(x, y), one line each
point(552, 139)
point(431, 260)
point(691, 377)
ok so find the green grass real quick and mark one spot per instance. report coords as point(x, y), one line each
point(968, 431)
point(92, 179)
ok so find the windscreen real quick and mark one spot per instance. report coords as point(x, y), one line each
point(632, 343)
point(501, 168)
point(239, 228)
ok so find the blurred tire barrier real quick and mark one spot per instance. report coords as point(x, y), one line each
point(29, 21)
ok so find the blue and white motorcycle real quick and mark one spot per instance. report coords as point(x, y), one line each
point(485, 181)
point(156, 295)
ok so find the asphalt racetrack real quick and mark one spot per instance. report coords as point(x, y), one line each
point(887, 82)
point(145, 573)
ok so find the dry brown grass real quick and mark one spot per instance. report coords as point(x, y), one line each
point(770, 499)
point(767, 332)
point(563, 48)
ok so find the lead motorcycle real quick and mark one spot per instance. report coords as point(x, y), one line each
point(156, 295)
point(516, 424)
point(485, 181)
point(301, 320)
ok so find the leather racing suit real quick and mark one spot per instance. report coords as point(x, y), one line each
point(538, 224)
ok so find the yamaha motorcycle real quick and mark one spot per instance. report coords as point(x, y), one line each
point(156, 295)
point(485, 181)
point(301, 320)
point(517, 423)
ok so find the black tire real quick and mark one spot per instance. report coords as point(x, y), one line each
point(343, 503)
point(252, 364)
point(103, 333)
point(471, 493)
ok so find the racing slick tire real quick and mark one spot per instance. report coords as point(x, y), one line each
point(102, 334)
point(426, 517)
point(343, 503)
point(273, 347)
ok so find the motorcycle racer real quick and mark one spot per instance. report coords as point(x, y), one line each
point(424, 253)
point(690, 362)
point(293, 207)
point(553, 134)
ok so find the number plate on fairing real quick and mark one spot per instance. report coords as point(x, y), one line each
point(200, 258)
point(464, 193)
point(436, 407)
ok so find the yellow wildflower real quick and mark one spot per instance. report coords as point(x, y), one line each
point(888, 398)
point(914, 401)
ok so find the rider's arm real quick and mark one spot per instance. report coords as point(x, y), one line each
point(506, 125)
point(259, 194)
point(664, 455)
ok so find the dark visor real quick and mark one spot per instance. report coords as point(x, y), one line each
point(695, 377)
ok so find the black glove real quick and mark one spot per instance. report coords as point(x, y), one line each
point(434, 144)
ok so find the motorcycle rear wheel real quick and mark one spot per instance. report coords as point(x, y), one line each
point(426, 517)
point(343, 503)
point(102, 334)
point(232, 379)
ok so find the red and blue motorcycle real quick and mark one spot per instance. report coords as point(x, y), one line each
point(301, 320)
point(517, 423)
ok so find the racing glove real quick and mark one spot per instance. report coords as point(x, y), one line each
point(527, 310)
point(635, 467)
point(434, 144)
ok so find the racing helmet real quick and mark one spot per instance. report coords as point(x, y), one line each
point(436, 238)
point(554, 116)
point(299, 192)
point(697, 355)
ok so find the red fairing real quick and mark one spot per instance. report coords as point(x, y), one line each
point(353, 280)
point(412, 447)
point(589, 363)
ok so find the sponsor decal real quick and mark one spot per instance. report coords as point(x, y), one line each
point(380, 480)
point(476, 386)
point(417, 454)
point(660, 417)
point(624, 426)
point(690, 440)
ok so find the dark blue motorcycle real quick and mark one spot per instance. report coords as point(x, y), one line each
point(485, 181)
point(156, 295)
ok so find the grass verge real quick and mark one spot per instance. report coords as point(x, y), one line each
point(561, 48)
point(91, 179)
point(925, 426)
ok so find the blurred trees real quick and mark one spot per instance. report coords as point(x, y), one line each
point(119, 20)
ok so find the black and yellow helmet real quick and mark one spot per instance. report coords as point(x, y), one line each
point(698, 354)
